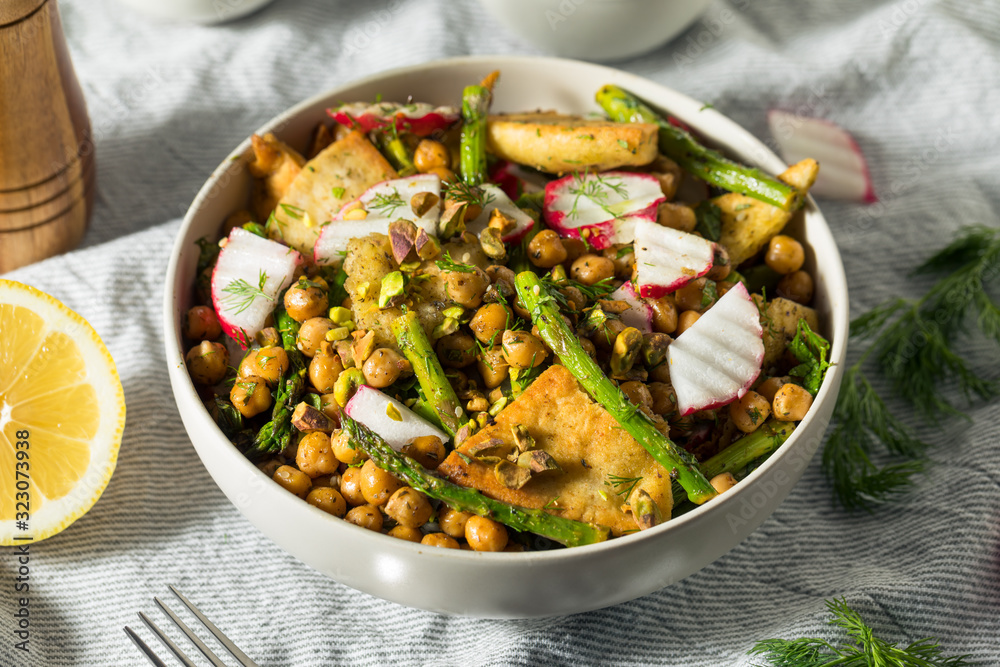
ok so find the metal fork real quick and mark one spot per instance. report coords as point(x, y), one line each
point(240, 656)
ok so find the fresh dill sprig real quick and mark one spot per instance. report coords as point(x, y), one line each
point(596, 188)
point(623, 486)
point(242, 294)
point(468, 194)
point(914, 346)
point(591, 293)
point(861, 648)
point(449, 264)
point(386, 203)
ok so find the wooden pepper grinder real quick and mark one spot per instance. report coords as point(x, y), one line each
point(46, 149)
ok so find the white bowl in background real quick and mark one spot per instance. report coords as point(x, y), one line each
point(596, 29)
point(500, 585)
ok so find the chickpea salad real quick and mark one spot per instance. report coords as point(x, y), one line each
point(506, 332)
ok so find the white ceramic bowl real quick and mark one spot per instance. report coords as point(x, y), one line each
point(596, 29)
point(500, 584)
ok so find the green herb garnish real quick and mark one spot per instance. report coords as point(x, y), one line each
point(242, 294)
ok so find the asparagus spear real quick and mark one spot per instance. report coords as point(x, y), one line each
point(558, 336)
point(706, 164)
point(417, 348)
point(276, 434)
point(397, 152)
point(737, 456)
point(565, 531)
point(472, 147)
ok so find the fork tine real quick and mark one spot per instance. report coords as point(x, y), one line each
point(223, 639)
point(143, 648)
point(207, 652)
point(166, 641)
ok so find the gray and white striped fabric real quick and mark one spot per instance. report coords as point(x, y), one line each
point(916, 81)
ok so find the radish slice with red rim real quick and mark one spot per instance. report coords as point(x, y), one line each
point(667, 259)
point(602, 209)
point(639, 313)
point(396, 423)
point(385, 202)
point(718, 358)
point(843, 170)
point(249, 275)
point(419, 118)
point(495, 198)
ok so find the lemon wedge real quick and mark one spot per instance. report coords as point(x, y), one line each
point(62, 412)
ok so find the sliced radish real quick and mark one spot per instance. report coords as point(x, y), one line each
point(667, 259)
point(639, 314)
point(384, 202)
point(249, 275)
point(602, 209)
point(843, 169)
point(420, 118)
point(495, 198)
point(717, 359)
point(372, 408)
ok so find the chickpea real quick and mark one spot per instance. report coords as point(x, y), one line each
point(365, 516)
point(466, 288)
point(343, 450)
point(325, 368)
point(293, 481)
point(429, 155)
point(784, 254)
point(685, 320)
point(660, 373)
point(315, 456)
point(590, 269)
point(749, 412)
point(722, 287)
point(268, 363)
point(723, 482)
point(456, 350)
point(332, 481)
point(484, 534)
point(439, 540)
point(676, 216)
point(589, 347)
point(405, 533)
point(522, 350)
point(769, 387)
point(489, 320)
point(427, 450)
point(605, 336)
point(207, 362)
point(577, 301)
point(575, 248)
point(384, 367)
point(493, 367)
point(312, 334)
point(305, 300)
point(664, 314)
point(409, 507)
point(546, 249)
point(638, 394)
point(791, 403)
point(377, 485)
point(250, 395)
point(624, 263)
point(350, 487)
point(201, 323)
point(689, 297)
point(797, 286)
point(327, 499)
point(721, 266)
point(664, 399)
point(328, 406)
point(452, 521)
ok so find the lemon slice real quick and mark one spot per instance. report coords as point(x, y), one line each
point(62, 411)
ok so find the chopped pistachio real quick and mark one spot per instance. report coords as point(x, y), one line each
point(522, 438)
point(615, 307)
point(427, 246)
point(402, 234)
point(269, 337)
point(559, 273)
point(484, 447)
point(409, 267)
point(537, 461)
point(511, 476)
point(363, 347)
point(477, 402)
point(306, 419)
point(454, 312)
point(446, 328)
point(654, 348)
point(627, 347)
point(452, 222)
point(644, 511)
point(482, 419)
point(347, 383)
point(492, 244)
point(341, 315)
point(392, 292)
point(363, 289)
point(337, 333)
point(392, 412)
point(501, 222)
point(423, 202)
point(356, 214)
point(498, 406)
point(594, 321)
